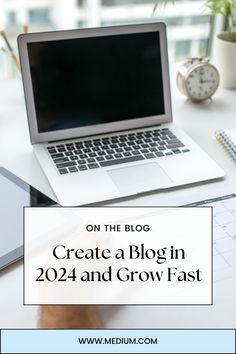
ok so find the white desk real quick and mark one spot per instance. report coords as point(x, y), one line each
point(199, 121)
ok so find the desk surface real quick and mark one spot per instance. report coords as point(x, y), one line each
point(199, 121)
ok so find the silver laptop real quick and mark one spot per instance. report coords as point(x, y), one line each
point(99, 111)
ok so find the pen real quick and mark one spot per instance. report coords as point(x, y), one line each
point(13, 56)
point(5, 52)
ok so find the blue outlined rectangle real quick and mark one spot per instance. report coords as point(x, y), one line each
point(118, 341)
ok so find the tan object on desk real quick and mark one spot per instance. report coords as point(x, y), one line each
point(72, 317)
point(25, 28)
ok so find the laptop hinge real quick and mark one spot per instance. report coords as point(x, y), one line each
point(94, 135)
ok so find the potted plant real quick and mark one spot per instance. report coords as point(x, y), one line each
point(224, 51)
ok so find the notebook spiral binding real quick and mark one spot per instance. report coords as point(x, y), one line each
point(226, 142)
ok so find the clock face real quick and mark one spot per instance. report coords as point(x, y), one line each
point(202, 82)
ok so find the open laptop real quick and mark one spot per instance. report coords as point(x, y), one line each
point(99, 112)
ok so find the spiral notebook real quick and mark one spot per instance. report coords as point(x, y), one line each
point(228, 139)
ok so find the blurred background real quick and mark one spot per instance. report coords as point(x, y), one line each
point(189, 26)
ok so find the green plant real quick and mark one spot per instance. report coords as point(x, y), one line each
point(226, 8)
point(162, 3)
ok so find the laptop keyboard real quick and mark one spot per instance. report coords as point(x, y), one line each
point(85, 155)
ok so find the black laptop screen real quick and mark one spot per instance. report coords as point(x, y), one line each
point(86, 81)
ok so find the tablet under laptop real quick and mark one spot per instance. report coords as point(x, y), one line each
point(15, 195)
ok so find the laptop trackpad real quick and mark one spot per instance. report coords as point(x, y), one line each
point(139, 178)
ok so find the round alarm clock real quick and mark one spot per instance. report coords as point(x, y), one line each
point(198, 79)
